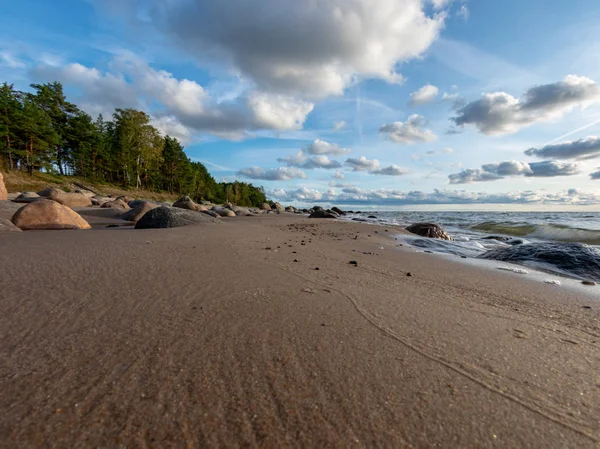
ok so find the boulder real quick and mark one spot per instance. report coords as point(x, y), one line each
point(185, 202)
point(323, 214)
point(338, 211)
point(212, 213)
point(140, 209)
point(171, 217)
point(116, 204)
point(7, 226)
point(27, 197)
point(100, 200)
point(48, 214)
point(3, 191)
point(317, 208)
point(224, 212)
point(70, 199)
point(241, 211)
point(46, 193)
point(85, 192)
point(430, 230)
point(278, 207)
point(125, 198)
point(291, 209)
point(265, 206)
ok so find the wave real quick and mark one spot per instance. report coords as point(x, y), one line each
point(555, 232)
point(574, 260)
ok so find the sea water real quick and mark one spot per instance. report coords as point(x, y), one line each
point(562, 243)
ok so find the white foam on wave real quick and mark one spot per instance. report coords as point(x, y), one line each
point(513, 270)
point(552, 281)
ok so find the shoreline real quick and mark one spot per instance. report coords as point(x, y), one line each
point(201, 335)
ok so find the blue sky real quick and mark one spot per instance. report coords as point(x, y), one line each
point(383, 103)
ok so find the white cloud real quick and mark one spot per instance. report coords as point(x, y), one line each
point(424, 95)
point(363, 164)
point(272, 174)
point(587, 148)
point(501, 113)
point(386, 197)
point(447, 150)
point(338, 175)
point(392, 170)
point(291, 47)
point(7, 59)
point(338, 126)
point(409, 132)
point(495, 171)
point(463, 12)
point(136, 84)
point(169, 125)
point(321, 147)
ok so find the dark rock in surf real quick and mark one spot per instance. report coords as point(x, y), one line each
point(430, 230)
point(338, 211)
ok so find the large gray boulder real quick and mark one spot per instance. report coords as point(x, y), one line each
point(265, 206)
point(171, 217)
point(323, 214)
point(338, 211)
point(431, 230)
point(278, 207)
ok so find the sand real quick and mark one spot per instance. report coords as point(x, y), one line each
point(201, 337)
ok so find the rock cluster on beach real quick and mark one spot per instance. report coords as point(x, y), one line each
point(53, 208)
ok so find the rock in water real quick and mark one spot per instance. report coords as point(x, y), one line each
point(171, 217)
point(185, 202)
point(265, 206)
point(338, 211)
point(70, 199)
point(48, 214)
point(3, 191)
point(323, 214)
point(139, 211)
point(27, 197)
point(7, 226)
point(430, 230)
point(116, 204)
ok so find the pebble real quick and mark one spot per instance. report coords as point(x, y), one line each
point(317, 269)
point(354, 262)
point(588, 283)
point(409, 274)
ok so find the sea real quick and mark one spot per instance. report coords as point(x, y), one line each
point(561, 243)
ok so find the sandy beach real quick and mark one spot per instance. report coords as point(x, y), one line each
point(259, 332)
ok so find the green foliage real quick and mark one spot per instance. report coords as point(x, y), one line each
point(43, 132)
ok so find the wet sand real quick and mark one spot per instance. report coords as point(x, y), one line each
point(202, 337)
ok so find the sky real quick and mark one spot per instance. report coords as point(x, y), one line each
point(455, 104)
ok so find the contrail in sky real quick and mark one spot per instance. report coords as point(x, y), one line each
point(573, 132)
